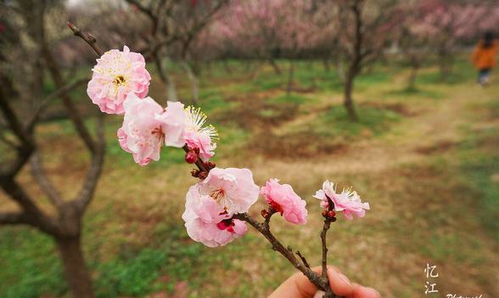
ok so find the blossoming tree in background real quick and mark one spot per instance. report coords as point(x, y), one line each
point(447, 22)
point(217, 206)
point(174, 27)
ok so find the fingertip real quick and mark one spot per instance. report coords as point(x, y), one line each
point(365, 292)
point(339, 283)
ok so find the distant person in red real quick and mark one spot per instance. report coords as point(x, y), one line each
point(484, 57)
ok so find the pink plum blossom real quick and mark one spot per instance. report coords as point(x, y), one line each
point(347, 201)
point(117, 74)
point(233, 189)
point(283, 199)
point(206, 221)
point(173, 122)
point(198, 136)
point(141, 133)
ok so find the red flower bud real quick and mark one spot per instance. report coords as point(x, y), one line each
point(191, 157)
point(202, 175)
point(264, 213)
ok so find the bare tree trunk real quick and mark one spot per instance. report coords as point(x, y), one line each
point(326, 64)
point(75, 269)
point(277, 69)
point(411, 84)
point(166, 79)
point(290, 77)
point(194, 82)
point(347, 100)
point(340, 69)
point(227, 67)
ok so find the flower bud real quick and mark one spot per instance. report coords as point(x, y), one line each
point(264, 213)
point(202, 175)
point(191, 156)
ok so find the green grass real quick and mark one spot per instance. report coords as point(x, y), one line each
point(336, 121)
point(30, 264)
point(417, 93)
point(291, 98)
point(135, 241)
point(480, 169)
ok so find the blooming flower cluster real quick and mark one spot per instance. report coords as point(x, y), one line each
point(117, 74)
point(120, 85)
point(346, 201)
point(284, 200)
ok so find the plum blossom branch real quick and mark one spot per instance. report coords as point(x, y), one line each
point(216, 208)
point(285, 252)
point(87, 37)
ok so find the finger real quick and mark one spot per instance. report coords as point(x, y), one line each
point(339, 283)
point(297, 286)
point(365, 292)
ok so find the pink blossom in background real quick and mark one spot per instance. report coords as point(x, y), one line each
point(141, 133)
point(233, 189)
point(347, 201)
point(173, 122)
point(117, 74)
point(206, 221)
point(284, 200)
point(197, 135)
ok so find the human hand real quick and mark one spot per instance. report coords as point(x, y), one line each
point(298, 286)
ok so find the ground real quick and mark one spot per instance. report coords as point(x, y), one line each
point(425, 159)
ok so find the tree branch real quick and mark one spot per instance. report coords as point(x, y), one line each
point(325, 228)
point(12, 218)
point(87, 190)
point(24, 150)
point(34, 215)
point(88, 38)
point(285, 252)
point(41, 178)
point(45, 101)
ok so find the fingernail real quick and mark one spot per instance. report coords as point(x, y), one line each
point(319, 294)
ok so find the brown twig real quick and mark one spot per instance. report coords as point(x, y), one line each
point(88, 38)
point(303, 259)
point(45, 101)
point(45, 184)
point(325, 228)
point(285, 252)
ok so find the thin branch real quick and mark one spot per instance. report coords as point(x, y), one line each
point(35, 216)
point(13, 120)
point(24, 150)
point(325, 228)
point(87, 190)
point(45, 101)
point(285, 252)
point(73, 112)
point(88, 38)
point(8, 142)
point(41, 178)
point(303, 259)
point(12, 218)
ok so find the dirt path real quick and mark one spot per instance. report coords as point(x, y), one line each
point(378, 164)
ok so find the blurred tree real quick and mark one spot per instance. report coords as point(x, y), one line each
point(174, 25)
point(366, 27)
point(449, 22)
point(26, 58)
